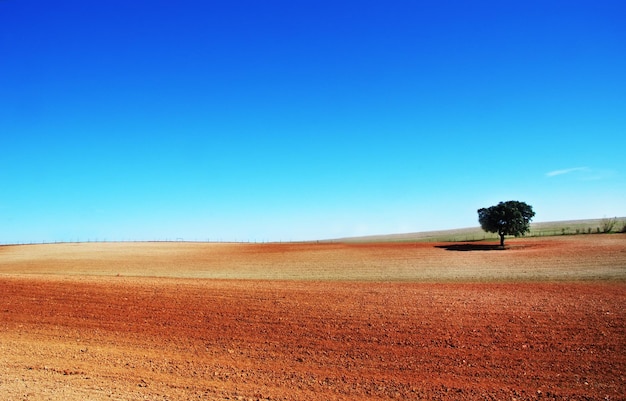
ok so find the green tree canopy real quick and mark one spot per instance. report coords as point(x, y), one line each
point(506, 218)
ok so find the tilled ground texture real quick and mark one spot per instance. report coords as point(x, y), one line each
point(169, 339)
point(529, 327)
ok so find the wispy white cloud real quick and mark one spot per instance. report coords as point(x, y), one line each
point(566, 171)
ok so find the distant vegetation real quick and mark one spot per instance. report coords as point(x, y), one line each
point(543, 229)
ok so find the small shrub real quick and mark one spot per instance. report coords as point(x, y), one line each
point(608, 224)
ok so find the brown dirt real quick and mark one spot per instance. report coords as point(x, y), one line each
point(72, 336)
point(584, 257)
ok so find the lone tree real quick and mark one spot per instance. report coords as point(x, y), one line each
point(506, 218)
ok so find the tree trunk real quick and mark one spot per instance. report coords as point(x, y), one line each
point(502, 240)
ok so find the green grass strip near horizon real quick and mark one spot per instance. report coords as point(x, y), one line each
point(543, 229)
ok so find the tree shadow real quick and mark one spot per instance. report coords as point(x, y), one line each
point(465, 247)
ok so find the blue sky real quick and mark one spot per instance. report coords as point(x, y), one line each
point(297, 120)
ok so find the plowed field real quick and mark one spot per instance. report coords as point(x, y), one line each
point(545, 319)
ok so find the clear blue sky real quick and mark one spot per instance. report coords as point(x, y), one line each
point(295, 120)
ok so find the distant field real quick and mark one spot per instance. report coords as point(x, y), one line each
point(544, 229)
point(576, 257)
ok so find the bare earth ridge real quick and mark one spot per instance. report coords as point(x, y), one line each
point(545, 319)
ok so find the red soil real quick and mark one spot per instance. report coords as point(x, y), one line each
point(76, 338)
